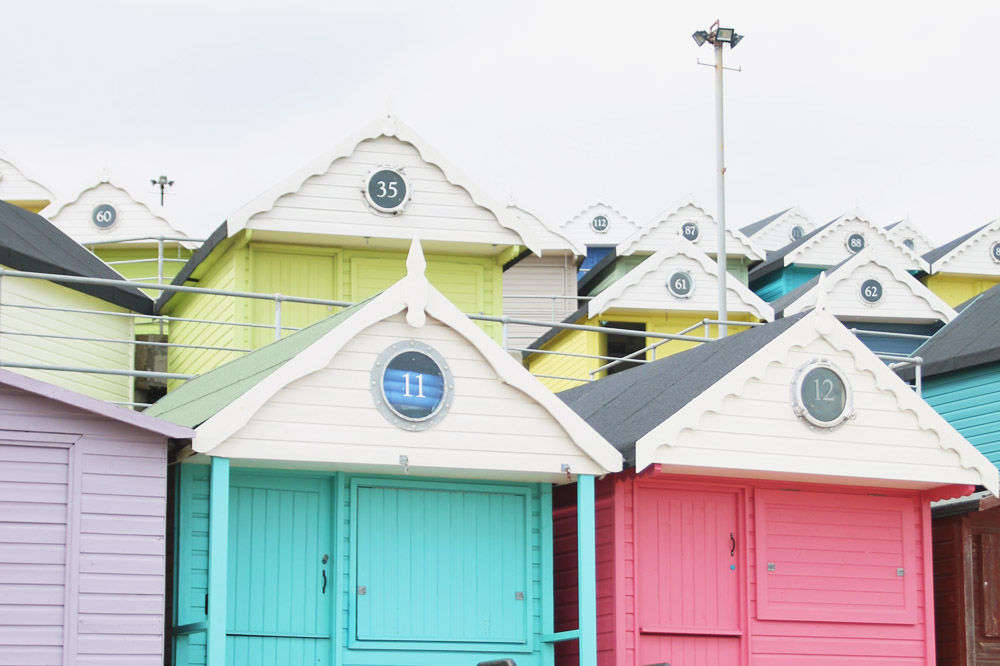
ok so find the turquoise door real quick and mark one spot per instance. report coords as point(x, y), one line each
point(279, 570)
point(440, 567)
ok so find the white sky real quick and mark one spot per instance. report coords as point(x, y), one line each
point(885, 105)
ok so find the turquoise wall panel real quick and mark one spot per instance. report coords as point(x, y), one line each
point(778, 283)
point(968, 399)
point(191, 561)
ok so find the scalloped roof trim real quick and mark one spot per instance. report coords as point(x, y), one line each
point(28, 175)
point(963, 247)
point(856, 214)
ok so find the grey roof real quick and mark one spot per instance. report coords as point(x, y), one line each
point(888, 227)
point(968, 340)
point(29, 242)
point(775, 259)
point(939, 252)
point(625, 406)
point(220, 234)
point(754, 227)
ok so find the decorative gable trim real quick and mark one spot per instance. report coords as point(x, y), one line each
point(34, 187)
point(739, 297)
point(419, 299)
point(941, 264)
point(660, 444)
point(552, 240)
point(917, 262)
point(390, 126)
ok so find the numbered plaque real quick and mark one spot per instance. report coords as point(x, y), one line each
point(908, 243)
point(855, 243)
point(412, 385)
point(387, 190)
point(796, 232)
point(821, 394)
point(690, 231)
point(600, 224)
point(680, 284)
point(871, 291)
point(103, 216)
point(995, 252)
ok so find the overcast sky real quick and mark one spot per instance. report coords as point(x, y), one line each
point(887, 106)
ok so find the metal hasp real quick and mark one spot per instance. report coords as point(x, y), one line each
point(900, 571)
point(771, 566)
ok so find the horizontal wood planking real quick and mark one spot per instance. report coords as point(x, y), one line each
point(967, 400)
point(829, 248)
point(538, 276)
point(74, 353)
point(957, 289)
point(15, 186)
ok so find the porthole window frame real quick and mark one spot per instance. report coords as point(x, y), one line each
point(93, 212)
point(791, 232)
point(670, 284)
point(378, 386)
point(847, 242)
point(861, 291)
point(799, 404)
point(399, 208)
point(993, 252)
point(680, 231)
point(607, 224)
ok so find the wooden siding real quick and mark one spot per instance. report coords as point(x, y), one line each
point(553, 275)
point(974, 259)
point(571, 342)
point(829, 247)
point(619, 269)
point(777, 234)
point(619, 227)
point(967, 400)
point(957, 289)
point(190, 584)
point(75, 353)
point(114, 540)
point(223, 276)
point(949, 594)
point(667, 230)
point(778, 283)
point(332, 202)
point(490, 425)
point(17, 188)
point(899, 303)
point(759, 430)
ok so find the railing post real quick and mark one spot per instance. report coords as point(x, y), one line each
point(504, 331)
point(554, 307)
point(159, 260)
point(277, 316)
point(917, 380)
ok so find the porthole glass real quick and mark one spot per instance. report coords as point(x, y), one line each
point(412, 385)
point(387, 190)
point(103, 216)
point(855, 243)
point(690, 231)
point(797, 232)
point(680, 284)
point(908, 242)
point(871, 291)
point(821, 394)
point(600, 224)
point(995, 252)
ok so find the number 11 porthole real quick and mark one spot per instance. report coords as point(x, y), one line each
point(412, 385)
point(821, 394)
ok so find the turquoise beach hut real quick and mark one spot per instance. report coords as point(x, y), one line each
point(376, 489)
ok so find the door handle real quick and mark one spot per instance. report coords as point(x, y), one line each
point(732, 540)
point(324, 582)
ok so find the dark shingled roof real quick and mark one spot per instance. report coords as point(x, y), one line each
point(890, 226)
point(939, 252)
point(968, 340)
point(220, 234)
point(775, 258)
point(754, 227)
point(625, 406)
point(29, 242)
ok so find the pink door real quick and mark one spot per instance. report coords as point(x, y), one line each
point(688, 577)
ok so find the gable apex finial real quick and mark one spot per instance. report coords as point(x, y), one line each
point(389, 124)
point(416, 285)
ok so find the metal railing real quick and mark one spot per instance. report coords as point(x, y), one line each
point(278, 328)
point(160, 259)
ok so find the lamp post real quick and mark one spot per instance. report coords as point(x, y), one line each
point(164, 183)
point(717, 37)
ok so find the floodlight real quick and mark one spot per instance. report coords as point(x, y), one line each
point(700, 37)
point(724, 35)
point(736, 40)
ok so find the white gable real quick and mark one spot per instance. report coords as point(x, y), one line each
point(133, 217)
point(979, 255)
point(318, 408)
point(599, 224)
point(670, 225)
point(744, 425)
point(906, 230)
point(778, 232)
point(326, 199)
point(867, 288)
point(18, 185)
point(645, 286)
point(550, 240)
point(829, 247)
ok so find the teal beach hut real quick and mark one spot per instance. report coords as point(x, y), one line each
point(376, 489)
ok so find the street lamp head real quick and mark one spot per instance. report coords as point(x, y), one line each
point(700, 37)
point(736, 40)
point(724, 35)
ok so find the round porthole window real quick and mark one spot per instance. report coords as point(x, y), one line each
point(871, 291)
point(821, 394)
point(600, 224)
point(680, 284)
point(387, 190)
point(690, 231)
point(796, 232)
point(103, 216)
point(908, 243)
point(855, 243)
point(412, 385)
point(995, 252)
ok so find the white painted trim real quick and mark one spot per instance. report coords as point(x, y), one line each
point(750, 249)
point(794, 210)
point(563, 242)
point(656, 446)
point(918, 261)
point(910, 229)
point(750, 301)
point(940, 263)
point(29, 176)
point(870, 256)
point(418, 298)
point(387, 125)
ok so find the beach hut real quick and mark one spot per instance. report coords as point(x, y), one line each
point(776, 231)
point(20, 188)
point(966, 266)
point(776, 509)
point(376, 489)
point(910, 235)
point(599, 228)
point(82, 528)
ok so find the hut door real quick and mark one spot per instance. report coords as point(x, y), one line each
point(279, 586)
point(688, 559)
